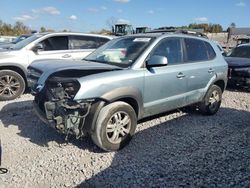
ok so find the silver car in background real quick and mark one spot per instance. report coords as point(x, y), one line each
point(15, 41)
point(63, 45)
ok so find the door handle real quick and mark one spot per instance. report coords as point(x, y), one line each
point(66, 56)
point(210, 71)
point(180, 75)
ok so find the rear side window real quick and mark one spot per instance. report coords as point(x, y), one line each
point(101, 41)
point(55, 43)
point(170, 48)
point(86, 42)
point(210, 51)
point(198, 50)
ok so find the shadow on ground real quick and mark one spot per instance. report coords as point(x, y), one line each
point(189, 151)
point(21, 114)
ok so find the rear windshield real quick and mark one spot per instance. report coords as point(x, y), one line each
point(241, 51)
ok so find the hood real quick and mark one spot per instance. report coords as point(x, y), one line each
point(52, 65)
point(237, 61)
point(68, 68)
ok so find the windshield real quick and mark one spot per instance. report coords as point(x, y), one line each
point(25, 42)
point(241, 51)
point(121, 51)
point(20, 38)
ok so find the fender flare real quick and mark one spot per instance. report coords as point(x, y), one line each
point(126, 93)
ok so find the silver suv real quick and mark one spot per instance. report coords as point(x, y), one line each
point(125, 80)
point(65, 45)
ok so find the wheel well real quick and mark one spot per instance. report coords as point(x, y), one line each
point(221, 84)
point(132, 102)
point(16, 69)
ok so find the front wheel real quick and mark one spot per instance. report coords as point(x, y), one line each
point(115, 126)
point(12, 85)
point(212, 101)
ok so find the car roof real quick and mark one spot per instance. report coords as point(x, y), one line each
point(246, 44)
point(163, 35)
point(74, 33)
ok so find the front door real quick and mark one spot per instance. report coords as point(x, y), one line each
point(56, 47)
point(165, 87)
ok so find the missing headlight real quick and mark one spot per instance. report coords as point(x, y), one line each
point(60, 88)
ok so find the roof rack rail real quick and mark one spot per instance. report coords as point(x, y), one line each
point(190, 32)
point(179, 31)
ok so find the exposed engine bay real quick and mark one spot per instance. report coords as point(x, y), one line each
point(67, 115)
point(56, 101)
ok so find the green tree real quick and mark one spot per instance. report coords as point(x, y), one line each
point(233, 25)
point(42, 29)
point(17, 29)
point(215, 28)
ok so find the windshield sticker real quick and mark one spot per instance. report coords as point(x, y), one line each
point(141, 39)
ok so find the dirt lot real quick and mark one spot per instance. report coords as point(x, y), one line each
point(178, 149)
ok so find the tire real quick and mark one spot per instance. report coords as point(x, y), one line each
point(12, 85)
point(110, 124)
point(212, 101)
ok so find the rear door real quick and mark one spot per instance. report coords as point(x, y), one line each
point(56, 47)
point(165, 87)
point(81, 46)
point(200, 60)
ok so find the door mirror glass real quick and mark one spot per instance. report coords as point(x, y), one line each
point(157, 61)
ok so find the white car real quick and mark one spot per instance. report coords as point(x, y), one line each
point(63, 45)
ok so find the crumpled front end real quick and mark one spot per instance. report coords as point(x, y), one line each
point(239, 76)
point(55, 105)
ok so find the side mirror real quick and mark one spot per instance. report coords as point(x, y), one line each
point(157, 61)
point(38, 47)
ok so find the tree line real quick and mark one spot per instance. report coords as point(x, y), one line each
point(14, 30)
point(20, 28)
point(208, 28)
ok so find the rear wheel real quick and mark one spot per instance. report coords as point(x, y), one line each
point(116, 124)
point(212, 101)
point(12, 85)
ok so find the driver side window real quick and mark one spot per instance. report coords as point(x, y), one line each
point(55, 43)
point(171, 49)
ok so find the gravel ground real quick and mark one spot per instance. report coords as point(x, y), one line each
point(179, 149)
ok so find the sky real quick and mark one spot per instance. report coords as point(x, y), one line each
point(93, 15)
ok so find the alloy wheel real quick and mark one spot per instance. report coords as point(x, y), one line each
point(118, 126)
point(214, 100)
point(9, 86)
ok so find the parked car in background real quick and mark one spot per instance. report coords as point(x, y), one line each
point(125, 80)
point(239, 66)
point(10, 44)
point(6, 39)
point(64, 45)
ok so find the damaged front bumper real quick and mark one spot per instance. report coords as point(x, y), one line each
point(240, 81)
point(67, 117)
point(55, 105)
point(239, 76)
